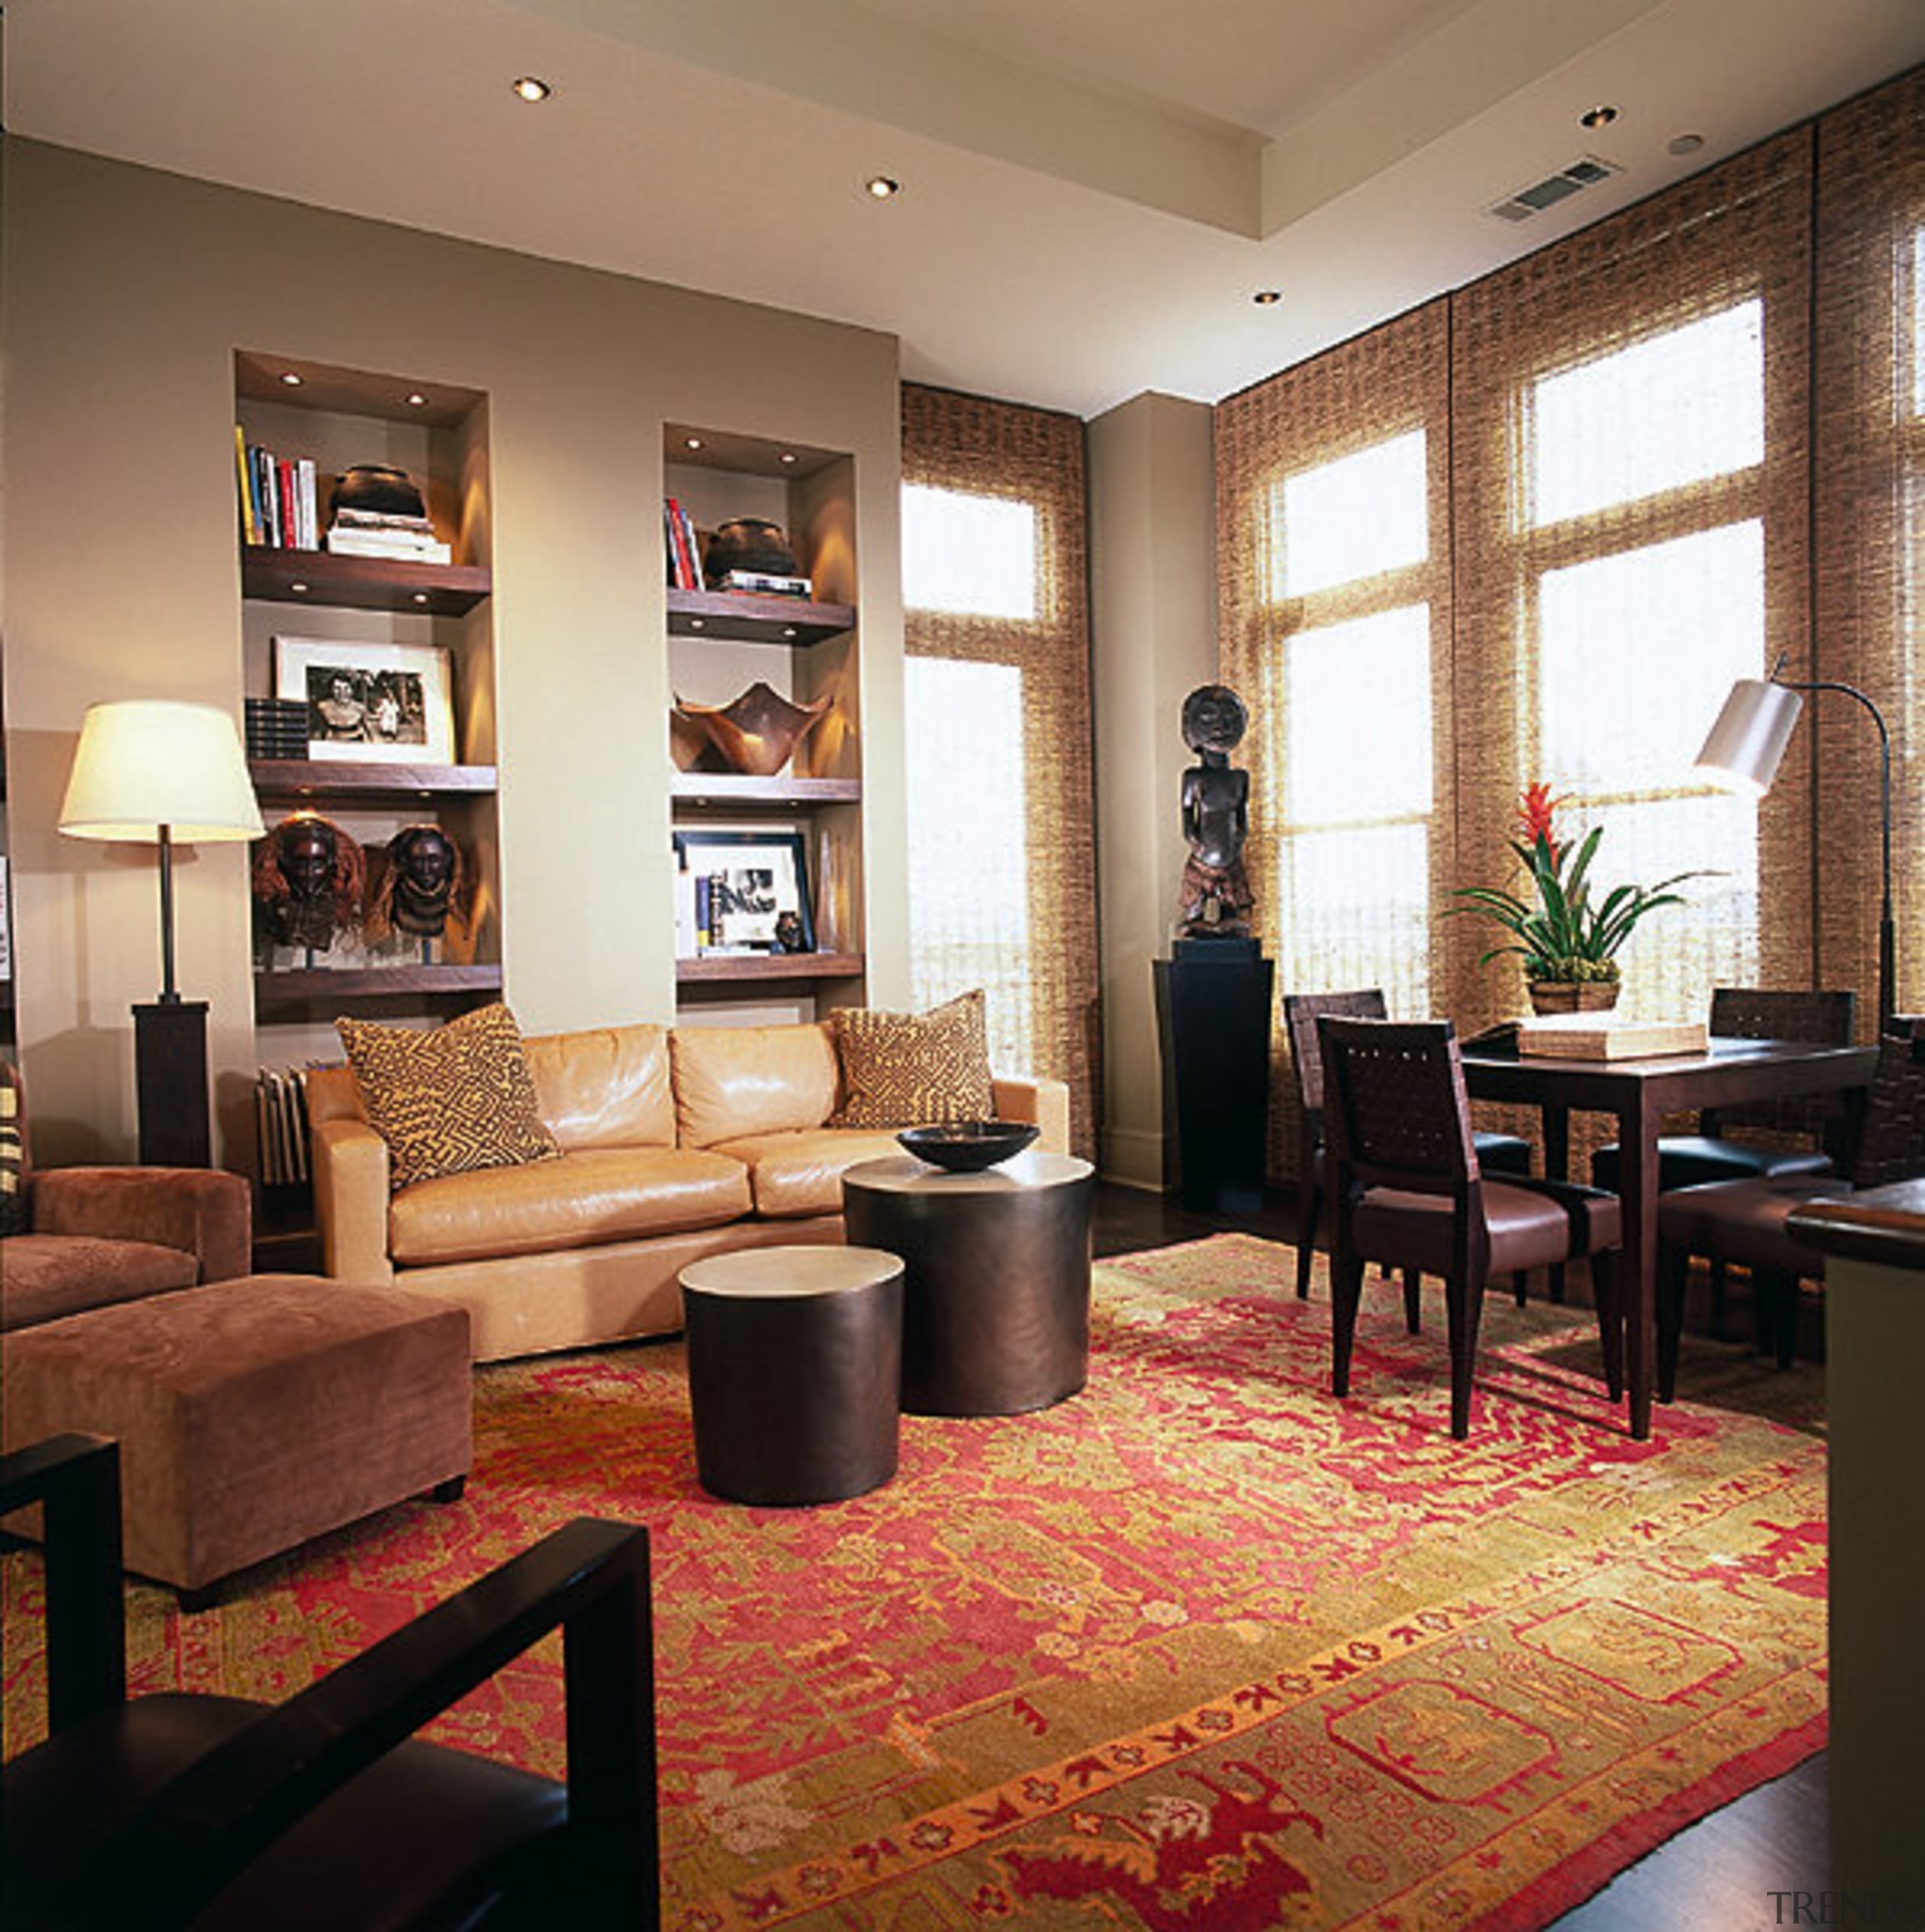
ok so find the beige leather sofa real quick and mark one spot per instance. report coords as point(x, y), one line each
point(676, 1143)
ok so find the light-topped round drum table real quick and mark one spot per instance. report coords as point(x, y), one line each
point(995, 1289)
point(794, 1368)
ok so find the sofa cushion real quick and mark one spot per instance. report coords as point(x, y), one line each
point(794, 1173)
point(604, 1087)
point(449, 1100)
point(731, 1081)
point(44, 1277)
point(914, 1069)
point(577, 1200)
point(13, 1152)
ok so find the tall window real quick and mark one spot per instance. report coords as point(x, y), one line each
point(996, 700)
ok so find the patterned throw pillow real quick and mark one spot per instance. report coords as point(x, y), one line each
point(451, 1100)
point(13, 1153)
point(914, 1069)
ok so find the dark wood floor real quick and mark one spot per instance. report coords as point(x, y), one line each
point(1720, 1875)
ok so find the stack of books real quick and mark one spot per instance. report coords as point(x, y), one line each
point(278, 502)
point(765, 583)
point(385, 533)
point(1589, 1036)
point(684, 549)
point(277, 728)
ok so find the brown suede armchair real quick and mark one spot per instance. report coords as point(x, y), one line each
point(90, 1237)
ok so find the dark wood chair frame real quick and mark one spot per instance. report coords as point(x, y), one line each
point(194, 1837)
point(1414, 1136)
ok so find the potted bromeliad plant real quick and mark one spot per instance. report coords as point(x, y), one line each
point(1569, 943)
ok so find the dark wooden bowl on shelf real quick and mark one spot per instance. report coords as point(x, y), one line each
point(968, 1146)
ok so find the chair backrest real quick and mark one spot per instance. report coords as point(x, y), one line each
point(1892, 1145)
point(1767, 1013)
point(1395, 1105)
point(1301, 1011)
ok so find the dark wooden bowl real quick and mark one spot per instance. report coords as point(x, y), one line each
point(968, 1146)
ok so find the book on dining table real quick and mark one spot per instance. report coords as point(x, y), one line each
point(1591, 1036)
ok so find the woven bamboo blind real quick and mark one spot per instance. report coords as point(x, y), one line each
point(980, 448)
point(1868, 512)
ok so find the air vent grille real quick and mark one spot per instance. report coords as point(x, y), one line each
point(1584, 172)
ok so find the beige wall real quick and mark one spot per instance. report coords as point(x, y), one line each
point(126, 293)
point(1153, 587)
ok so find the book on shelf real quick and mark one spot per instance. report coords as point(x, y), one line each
point(765, 584)
point(1588, 1036)
point(684, 549)
point(278, 505)
point(406, 545)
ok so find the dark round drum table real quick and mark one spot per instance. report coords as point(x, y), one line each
point(995, 1294)
point(795, 1364)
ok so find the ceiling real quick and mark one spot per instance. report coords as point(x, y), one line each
point(1092, 191)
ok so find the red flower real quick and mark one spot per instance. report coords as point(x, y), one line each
point(1535, 811)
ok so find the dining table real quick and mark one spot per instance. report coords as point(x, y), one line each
point(1639, 1094)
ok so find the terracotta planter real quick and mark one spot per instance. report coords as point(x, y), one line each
point(1573, 995)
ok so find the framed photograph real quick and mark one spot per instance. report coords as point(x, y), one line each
point(749, 891)
point(383, 703)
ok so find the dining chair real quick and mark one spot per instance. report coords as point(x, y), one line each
point(179, 1809)
point(1410, 1191)
point(1812, 1124)
point(1744, 1221)
point(1507, 1153)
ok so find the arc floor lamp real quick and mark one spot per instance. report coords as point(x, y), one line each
point(152, 770)
point(1743, 752)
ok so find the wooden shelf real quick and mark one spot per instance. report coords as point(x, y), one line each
point(377, 783)
point(362, 583)
point(716, 968)
point(733, 788)
point(300, 990)
point(733, 614)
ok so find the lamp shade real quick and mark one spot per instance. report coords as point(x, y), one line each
point(1749, 737)
point(146, 763)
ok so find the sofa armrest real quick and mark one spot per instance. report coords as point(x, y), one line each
point(1044, 1101)
point(350, 1169)
point(204, 1212)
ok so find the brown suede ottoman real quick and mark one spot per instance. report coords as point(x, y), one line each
point(253, 1414)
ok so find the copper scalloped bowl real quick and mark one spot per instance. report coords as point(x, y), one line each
point(968, 1146)
point(757, 733)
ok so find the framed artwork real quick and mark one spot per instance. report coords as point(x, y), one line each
point(743, 892)
point(383, 703)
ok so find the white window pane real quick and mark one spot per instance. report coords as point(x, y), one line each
point(1639, 650)
point(1681, 407)
point(968, 851)
point(975, 555)
point(1354, 910)
point(1352, 518)
point(1359, 700)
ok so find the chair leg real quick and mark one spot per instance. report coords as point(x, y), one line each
point(1464, 1307)
point(1309, 1207)
point(1557, 1282)
point(1717, 1299)
point(1412, 1302)
point(1520, 1284)
point(1606, 1292)
point(1674, 1267)
point(1780, 1293)
point(1346, 1292)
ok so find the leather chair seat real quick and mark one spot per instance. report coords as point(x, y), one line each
point(1691, 1160)
point(588, 1198)
point(1745, 1220)
point(421, 1820)
point(797, 1173)
point(1529, 1227)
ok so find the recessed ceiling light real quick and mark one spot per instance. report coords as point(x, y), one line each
point(691, 442)
point(881, 186)
point(1598, 117)
point(299, 589)
point(1684, 144)
point(529, 88)
point(1266, 297)
point(416, 400)
point(788, 456)
point(289, 377)
point(421, 597)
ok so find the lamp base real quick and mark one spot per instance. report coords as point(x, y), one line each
point(171, 1084)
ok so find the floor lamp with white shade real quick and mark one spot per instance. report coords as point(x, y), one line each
point(1742, 754)
point(154, 771)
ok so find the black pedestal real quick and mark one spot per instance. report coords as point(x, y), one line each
point(171, 1084)
point(1213, 1012)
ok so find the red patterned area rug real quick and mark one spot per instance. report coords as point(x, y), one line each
point(1200, 1650)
